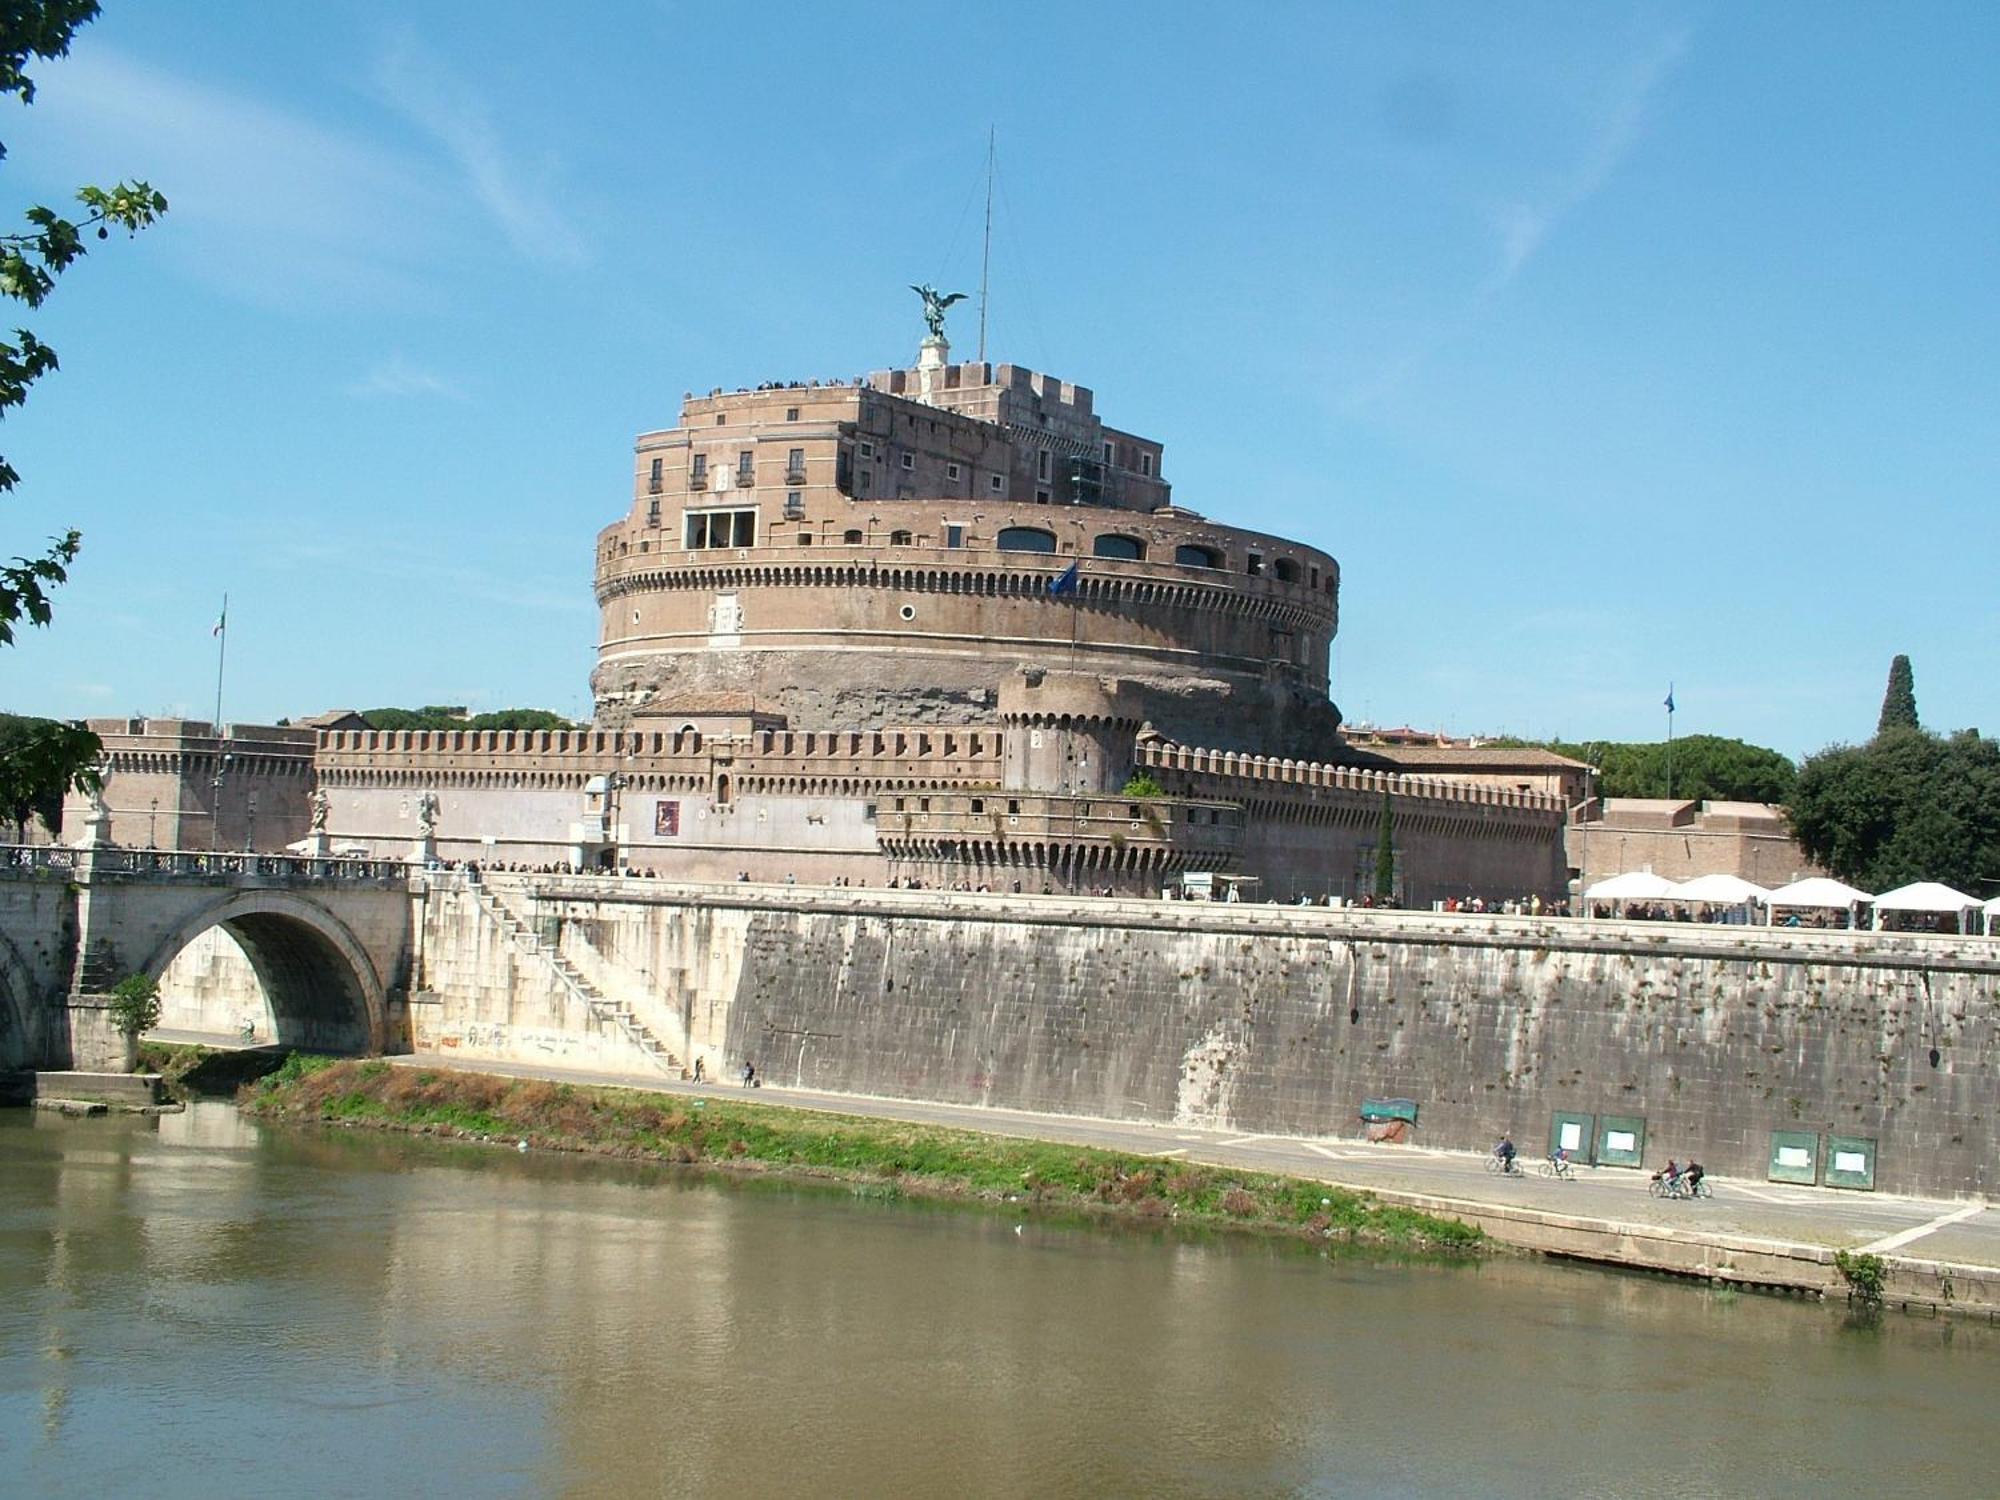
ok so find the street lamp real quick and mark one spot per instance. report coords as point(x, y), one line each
point(222, 765)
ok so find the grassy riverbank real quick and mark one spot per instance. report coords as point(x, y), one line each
point(189, 1071)
point(919, 1160)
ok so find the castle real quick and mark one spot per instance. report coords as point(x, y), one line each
point(940, 625)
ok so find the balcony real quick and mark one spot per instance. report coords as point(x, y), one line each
point(795, 476)
point(697, 480)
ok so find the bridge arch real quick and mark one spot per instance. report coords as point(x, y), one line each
point(20, 1010)
point(323, 989)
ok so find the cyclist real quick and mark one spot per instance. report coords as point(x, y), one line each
point(1693, 1177)
point(1560, 1159)
point(1669, 1177)
point(1505, 1151)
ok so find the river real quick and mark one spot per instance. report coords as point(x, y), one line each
point(201, 1306)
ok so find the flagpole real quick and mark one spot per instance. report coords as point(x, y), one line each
point(1670, 742)
point(221, 655)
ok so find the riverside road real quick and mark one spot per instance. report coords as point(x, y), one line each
point(1965, 1232)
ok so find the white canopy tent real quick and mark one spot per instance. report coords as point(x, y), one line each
point(1635, 885)
point(1817, 893)
point(1718, 890)
point(1927, 896)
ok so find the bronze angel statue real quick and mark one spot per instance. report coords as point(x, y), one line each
point(935, 302)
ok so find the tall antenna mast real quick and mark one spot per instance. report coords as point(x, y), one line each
point(986, 250)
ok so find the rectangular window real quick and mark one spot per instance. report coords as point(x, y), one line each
point(720, 528)
point(861, 482)
point(698, 474)
point(909, 460)
point(657, 475)
point(1110, 454)
point(1042, 460)
point(995, 483)
point(1146, 464)
point(951, 471)
point(791, 414)
point(795, 461)
point(720, 418)
point(795, 504)
point(954, 536)
point(1041, 497)
point(1255, 564)
point(805, 538)
point(867, 450)
point(746, 465)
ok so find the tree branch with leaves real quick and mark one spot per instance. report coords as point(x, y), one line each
point(31, 261)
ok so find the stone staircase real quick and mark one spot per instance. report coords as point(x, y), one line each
point(594, 1000)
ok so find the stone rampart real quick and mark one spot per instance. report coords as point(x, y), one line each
point(1272, 1019)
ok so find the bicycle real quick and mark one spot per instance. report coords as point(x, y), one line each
point(1553, 1166)
point(1509, 1166)
point(1670, 1187)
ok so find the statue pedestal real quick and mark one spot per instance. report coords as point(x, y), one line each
point(316, 845)
point(933, 354)
point(424, 851)
point(96, 830)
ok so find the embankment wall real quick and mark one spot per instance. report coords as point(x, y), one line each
point(1282, 1020)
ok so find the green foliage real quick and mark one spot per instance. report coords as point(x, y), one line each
point(1385, 852)
point(436, 716)
point(1142, 784)
point(30, 262)
point(1899, 701)
point(135, 1004)
point(1863, 1273)
point(1908, 805)
point(298, 1065)
point(887, 1158)
point(40, 760)
point(1707, 768)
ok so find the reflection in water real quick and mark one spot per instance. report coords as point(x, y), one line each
point(203, 1307)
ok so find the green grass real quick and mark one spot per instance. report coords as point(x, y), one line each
point(881, 1158)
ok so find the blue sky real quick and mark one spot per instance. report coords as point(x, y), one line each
point(1605, 346)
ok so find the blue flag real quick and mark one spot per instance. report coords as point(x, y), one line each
point(1065, 581)
point(1670, 697)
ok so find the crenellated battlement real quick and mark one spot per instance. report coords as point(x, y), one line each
point(1271, 772)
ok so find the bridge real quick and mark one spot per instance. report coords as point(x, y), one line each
point(330, 941)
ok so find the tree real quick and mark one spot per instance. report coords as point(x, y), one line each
point(437, 716)
point(135, 1004)
point(1385, 853)
point(38, 758)
point(1707, 768)
point(1908, 805)
point(30, 262)
point(1899, 703)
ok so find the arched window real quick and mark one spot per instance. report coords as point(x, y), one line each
point(1128, 547)
point(900, 539)
point(1189, 555)
point(1286, 569)
point(1026, 539)
point(722, 789)
point(851, 538)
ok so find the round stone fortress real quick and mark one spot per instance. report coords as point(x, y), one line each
point(895, 550)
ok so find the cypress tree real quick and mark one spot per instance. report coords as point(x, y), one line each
point(1899, 703)
point(1385, 853)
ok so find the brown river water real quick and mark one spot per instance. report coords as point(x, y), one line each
point(198, 1306)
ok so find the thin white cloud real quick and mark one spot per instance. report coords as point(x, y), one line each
point(396, 377)
point(1523, 227)
point(520, 196)
point(264, 203)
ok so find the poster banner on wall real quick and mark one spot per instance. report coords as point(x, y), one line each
point(666, 820)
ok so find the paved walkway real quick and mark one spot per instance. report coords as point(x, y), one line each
point(1964, 1233)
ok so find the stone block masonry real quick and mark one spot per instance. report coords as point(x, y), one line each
point(1281, 1020)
